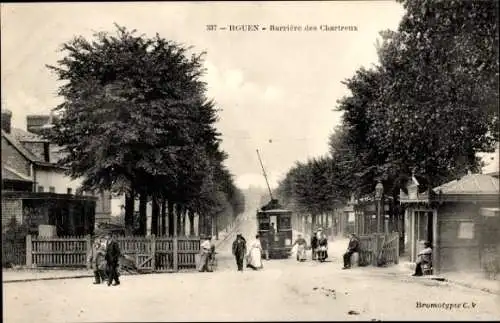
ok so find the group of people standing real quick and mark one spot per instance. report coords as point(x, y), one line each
point(104, 260)
point(319, 243)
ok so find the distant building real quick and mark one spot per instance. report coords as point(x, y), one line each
point(30, 172)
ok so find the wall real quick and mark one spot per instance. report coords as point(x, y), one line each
point(457, 253)
point(12, 158)
point(57, 179)
point(103, 206)
point(11, 208)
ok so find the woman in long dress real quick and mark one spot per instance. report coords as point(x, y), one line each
point(254, 257)
point(301, 248)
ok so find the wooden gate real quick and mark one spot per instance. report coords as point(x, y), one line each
point(140, 249)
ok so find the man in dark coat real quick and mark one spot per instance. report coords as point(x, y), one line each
point(314, 245)
point(351, 248)
point(112, 258)
point(239, 250)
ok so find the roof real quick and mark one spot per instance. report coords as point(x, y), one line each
point(26, 153)
point(26, 136)
point(470, 184)
point(10, 174)
point(14, 142)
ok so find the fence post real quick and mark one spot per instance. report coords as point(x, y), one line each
point(29, 250)
point(153, 252)
point(175, 254)
point(88, 246)
point(396, 259)
point(375, 249)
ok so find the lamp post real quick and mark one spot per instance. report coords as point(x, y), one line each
point(379, 192)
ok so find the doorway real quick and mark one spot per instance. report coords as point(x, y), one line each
point(423, 230)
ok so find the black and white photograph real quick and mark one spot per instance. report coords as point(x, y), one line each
point(238, 161)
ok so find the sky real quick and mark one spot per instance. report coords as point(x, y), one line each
point(275, 89)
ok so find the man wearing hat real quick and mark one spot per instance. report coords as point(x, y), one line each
point(239, 250)
point(314, 243)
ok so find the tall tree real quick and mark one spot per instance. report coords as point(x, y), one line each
point(135, 118)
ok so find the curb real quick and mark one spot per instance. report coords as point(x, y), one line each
point(471, 286)
point(45, 278)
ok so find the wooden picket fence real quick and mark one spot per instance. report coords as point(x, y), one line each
point(377, 249)
point(149, 253)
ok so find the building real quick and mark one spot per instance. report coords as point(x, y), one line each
point(31, 180)
point(460, 219)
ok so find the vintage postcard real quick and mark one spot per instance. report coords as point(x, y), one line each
point(250, 161)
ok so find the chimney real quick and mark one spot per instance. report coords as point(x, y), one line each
point(6, 120)
point(34, 123)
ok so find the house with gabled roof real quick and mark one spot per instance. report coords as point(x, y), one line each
point(36, 190)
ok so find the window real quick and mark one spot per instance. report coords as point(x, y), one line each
point(70, 190)
point(264, 226)
point(466, 230)
point(40, 189)
point(284, 222)
point(52, 189)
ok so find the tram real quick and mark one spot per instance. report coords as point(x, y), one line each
point(274, 226)
point(275, 230)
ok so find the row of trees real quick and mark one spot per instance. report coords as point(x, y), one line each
point(427, 107)
point(136, 120)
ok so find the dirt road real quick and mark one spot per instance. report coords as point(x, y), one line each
point(283, 290)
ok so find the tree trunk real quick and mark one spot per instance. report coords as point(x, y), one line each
point(170, 219)
point(155, 212)
point(143, 201)
point(191, 222)
point(129, 212)
point(163, 217)
point(216, 220)
point(183, 228)
point(178, 210)
point(326, 224)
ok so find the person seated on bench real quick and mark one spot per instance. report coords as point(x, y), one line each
point(352, 248)
point(424, 257)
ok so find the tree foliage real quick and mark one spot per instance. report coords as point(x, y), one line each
point(136, 119)
point(428, 107)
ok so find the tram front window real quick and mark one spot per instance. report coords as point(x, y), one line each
point(284, 223)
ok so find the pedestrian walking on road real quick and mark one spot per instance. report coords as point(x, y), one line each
point(97, 261)
point(239, 250)
point(301, 248)
point(351, 248)
point(113, 254)
point(254, 257)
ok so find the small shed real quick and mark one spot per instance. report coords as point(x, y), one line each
point(460, 218)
